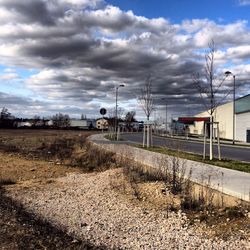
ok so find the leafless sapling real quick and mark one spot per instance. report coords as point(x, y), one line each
point(211, 88)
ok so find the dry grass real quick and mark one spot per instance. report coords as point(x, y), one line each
point(42, 154)
point(223, 214)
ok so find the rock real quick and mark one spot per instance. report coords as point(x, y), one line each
point(87, 207)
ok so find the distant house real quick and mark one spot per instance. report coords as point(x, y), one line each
point(23, 124)
point(49, 123)
point(39, 124)
point(102, 123)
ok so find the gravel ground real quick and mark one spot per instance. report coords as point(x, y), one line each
point(86, 206)
point(21, 230)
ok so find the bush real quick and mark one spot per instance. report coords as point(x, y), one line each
point(92, 158)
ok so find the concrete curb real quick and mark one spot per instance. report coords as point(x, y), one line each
point(231, 182)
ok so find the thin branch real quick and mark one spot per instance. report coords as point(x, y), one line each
point(209, 92)
point(146, 98)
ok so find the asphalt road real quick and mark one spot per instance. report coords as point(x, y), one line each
point(227, 151)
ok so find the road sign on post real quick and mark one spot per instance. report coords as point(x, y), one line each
point(103, 112)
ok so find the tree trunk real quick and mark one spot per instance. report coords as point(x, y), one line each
point(211, 139)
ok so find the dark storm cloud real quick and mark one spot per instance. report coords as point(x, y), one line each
point(82, 51)
point(7, 99)
point(59, 48)
point(30, 11)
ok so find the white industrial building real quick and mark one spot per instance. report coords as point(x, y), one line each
point(224, 116)
point(82, 124)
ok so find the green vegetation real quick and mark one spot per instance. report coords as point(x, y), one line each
point(224, 163)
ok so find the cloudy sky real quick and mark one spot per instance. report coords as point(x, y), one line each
point(69, 55)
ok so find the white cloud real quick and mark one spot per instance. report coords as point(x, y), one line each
point(9, 76)
point(244, 2)
point(83, 3)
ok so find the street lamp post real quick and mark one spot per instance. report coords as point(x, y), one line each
point(116, 100)
point(166, 118)
point(230, 73)
point(166, 125)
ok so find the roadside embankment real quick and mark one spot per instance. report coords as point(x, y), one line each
point(227, 181)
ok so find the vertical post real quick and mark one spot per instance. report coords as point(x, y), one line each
point(234, 111)
point(218, 141)
point(227, 73)
point(116, 94)
point(118, 133)
point(148, 134)
point(166, 118)
point(205, 139)
point(116, 97)
point(211, 139)
point(151, 136)
point(144, 135)
point(102, 124)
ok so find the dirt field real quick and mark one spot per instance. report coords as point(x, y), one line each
point(23, 158)
point(35, 159)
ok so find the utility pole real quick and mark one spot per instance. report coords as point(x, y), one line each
point(116, 106)
point(230, 73)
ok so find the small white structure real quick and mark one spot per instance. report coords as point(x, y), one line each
point(24, 124)
point(80, 124)
point(49, 123)
point(102, 123)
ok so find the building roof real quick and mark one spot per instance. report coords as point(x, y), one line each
point(242, 104)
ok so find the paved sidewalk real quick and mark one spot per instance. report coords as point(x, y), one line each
point(228, 181)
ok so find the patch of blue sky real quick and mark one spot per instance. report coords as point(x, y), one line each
point(16, 82)
point(179, 10)
point(246, 62)
point(16, 87)
point(24, 73)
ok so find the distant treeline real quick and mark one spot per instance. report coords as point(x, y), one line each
point(7, 120)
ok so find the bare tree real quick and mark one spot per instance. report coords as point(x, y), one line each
point(6, 119)
point(61, 121)
point(112, 115)
point(146, 102)
point(211, 88)
point(129, 119)
point(146, 98)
